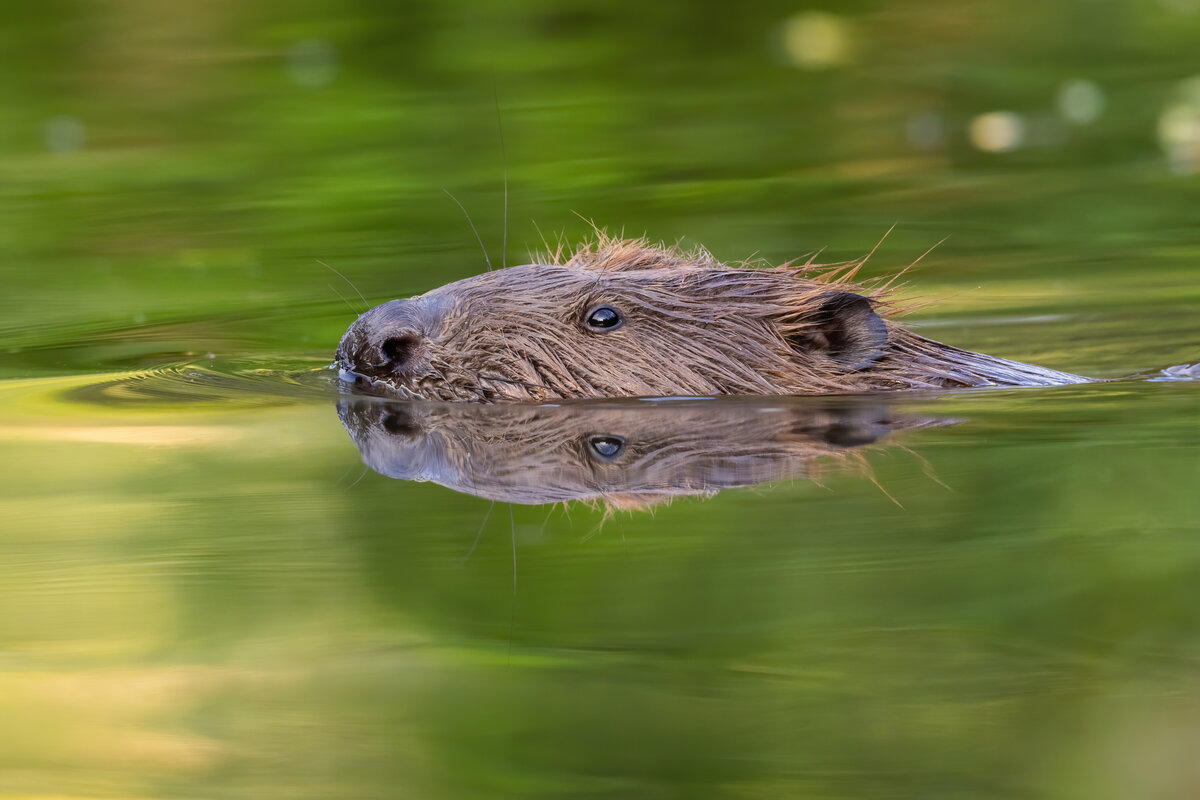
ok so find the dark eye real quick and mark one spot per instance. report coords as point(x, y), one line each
point(604, 318)
point(606, 448)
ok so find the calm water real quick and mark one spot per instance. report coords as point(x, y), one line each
point(207, 591)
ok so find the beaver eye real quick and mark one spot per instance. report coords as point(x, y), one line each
point(606, 448)
point(604, 318)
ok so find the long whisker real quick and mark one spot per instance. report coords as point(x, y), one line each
point(504, 162)
point(347, 280)
point(361, 475)
point(513, 523)
point(512, 614)
point(343, 298)
point(486, 260)
point(475, 543)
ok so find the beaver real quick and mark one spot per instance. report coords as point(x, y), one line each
point(625, 318)
point(625, 454)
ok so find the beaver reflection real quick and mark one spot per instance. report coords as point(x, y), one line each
point(627, 454)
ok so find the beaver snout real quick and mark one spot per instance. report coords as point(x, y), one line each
point(386, 342)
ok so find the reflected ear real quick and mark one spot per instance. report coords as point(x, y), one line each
point(845, 329)
point(844, 427)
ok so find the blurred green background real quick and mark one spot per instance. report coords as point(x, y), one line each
point(201, 597)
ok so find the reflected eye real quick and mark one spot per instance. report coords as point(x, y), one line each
point(604, 318)
point(606, 448)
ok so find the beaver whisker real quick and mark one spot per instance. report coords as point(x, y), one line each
point(342, 297)
point(504, 161)
point(486, 260)
point(366, 305)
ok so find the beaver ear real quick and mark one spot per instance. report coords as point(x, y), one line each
point(845, 328)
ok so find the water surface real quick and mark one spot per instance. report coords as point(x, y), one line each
point(206, 592)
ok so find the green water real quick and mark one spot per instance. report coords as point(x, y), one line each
point(204, 594)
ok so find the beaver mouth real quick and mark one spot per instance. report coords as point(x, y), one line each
point(378, 386)
point(403, 389)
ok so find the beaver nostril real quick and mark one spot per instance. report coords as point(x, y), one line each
point(400, 350)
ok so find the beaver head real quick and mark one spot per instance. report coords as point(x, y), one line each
point(626, 319)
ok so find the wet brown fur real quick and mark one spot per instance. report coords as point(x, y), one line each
point(692, 326)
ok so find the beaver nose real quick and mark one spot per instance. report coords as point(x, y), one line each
point(389, 341)
point(399, 351)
